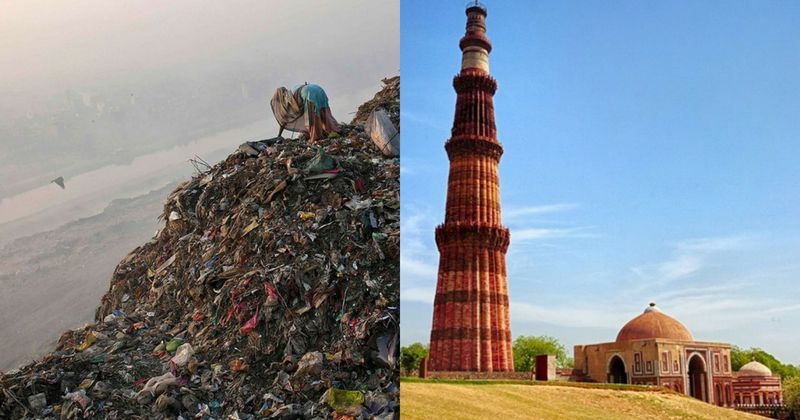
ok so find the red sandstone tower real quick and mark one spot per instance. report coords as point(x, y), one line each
point(471, 329)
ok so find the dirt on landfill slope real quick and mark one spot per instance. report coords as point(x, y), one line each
point(272, 290)
point(388, 99)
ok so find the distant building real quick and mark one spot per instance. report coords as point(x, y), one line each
point(656, 349)
point(754, 383)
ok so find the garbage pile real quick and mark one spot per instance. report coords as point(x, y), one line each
point(388, 98)
point(272, 291)
point(380, 118)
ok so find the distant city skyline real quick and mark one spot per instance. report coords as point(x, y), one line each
point(650, 155)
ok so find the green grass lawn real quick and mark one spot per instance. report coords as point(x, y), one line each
point(455, 399)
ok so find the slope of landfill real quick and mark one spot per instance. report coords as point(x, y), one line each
point(68, 268)
point(271, 291)
point(388, 98)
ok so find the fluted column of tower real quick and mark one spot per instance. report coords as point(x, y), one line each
point(471, 328)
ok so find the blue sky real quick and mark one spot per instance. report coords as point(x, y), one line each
point(652, 153)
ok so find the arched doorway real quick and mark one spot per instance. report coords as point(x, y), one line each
point(616, 371)
point(698, 387)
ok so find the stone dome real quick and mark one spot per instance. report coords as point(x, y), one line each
point(654, 324)
point(754, 369)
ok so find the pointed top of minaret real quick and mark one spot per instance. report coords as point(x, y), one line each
point(481, 8)
point(475, 47)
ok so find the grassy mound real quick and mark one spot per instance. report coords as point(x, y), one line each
point(536, 400)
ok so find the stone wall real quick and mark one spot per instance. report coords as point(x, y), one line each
point(479, 375)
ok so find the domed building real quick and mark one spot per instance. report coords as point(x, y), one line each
point(656, 349)
point(754, 383)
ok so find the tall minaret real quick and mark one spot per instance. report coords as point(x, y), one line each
point(471, 328)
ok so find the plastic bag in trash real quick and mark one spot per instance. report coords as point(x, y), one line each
point(383, 133)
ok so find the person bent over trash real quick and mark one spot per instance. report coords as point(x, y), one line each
point(304, 108)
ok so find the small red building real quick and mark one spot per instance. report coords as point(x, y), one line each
point(754, 383)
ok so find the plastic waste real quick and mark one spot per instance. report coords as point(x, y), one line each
point(155, 386)
point(183, 354)
point(80, 398)
point(310, 364)
point(345, 402)
point(173, 344)
point(251, 324)
point(90, 339)
point(321, 162)
point(37, 402)
point(383, 133)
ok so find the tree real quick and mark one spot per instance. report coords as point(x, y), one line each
point(526, 348)
point(791, 393)
point(410, 356)
point(739, 358)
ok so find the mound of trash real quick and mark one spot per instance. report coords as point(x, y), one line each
point(272, 291)
point(387, 98)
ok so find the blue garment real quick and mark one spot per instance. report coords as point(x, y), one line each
point(314, 94)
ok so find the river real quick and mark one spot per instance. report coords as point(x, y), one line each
point(48, 207)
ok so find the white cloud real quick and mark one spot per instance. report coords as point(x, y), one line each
point(709, 292)
point(419, 270)
point(532, 234)
point(701, 314)
point(689, 257)
point(566, 316)
point(416, 222)
point(513, 212)
point(723, 243)
point(524, 229)
point(418, 255)
point(717, 308)
point(419, 258)
point(680, 266)
point(436, 124)
point(418, 294)
point(538, 233)
point(785, 308)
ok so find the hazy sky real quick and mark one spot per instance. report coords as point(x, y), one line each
point(54, 45)
point(651, 153)
point(99, 47)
